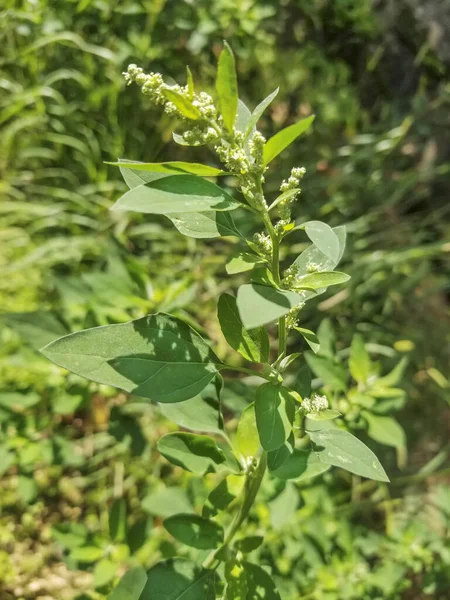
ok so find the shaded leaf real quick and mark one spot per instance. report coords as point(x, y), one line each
point(301, 464)
point(324, 238)
point(171, 167)
point(260, 304)
point(310, 338)
point(131, 585)
point(247, 438)
point(359, 361)
point(195, 531)
point(179, 579)
point(196, 453)
point(205, 225)
point(275, 411)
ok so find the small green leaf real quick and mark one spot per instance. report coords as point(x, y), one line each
point(385, 430)
point(226, 87)
point(324, 415)
point(249, 543)
point(175, 194)
point(118, 520)
point(330, 373)
point(302, 383)
point(395, 376)
point(190, 82)
point(275, 411)
point(196, 453)
point(278, 457)
point(242, 117)
point(104, 572)
point(242, 263)
point(167, 502)
point(283, 507)
point(252, 345)
point(205, 225)
point(312, 255)
point(87, 554)
point(284, 138)
point(157, 357)
point(300, 465)
point(172, 168)
point(359, 362)
point(342, 449)
point(310, 338)
point(316, 281)
point(184, 105)
point(257, 113)
point(247, 438)
point(35, 328)
point(195, 531)
point(179, 579)
point(324, 238)
point(218, 499)
point(260, 583)
point(261, 304)
point(131, 585)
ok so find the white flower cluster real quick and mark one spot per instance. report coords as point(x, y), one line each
point(313, 267)
point(256, 149)
point(233, 157)
point(284, 207)
point(292, 316)
point(263, 244)
point(290, 276)
point(314, 404)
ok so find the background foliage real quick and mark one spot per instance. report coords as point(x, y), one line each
point(83, 487)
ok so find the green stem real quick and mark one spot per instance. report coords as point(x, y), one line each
point(251, 488)
point(245, 370)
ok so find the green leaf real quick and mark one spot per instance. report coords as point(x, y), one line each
point(302, 383)
point(257, 113)
point(226, 87)
point(196, 453)
point(324, 415)
point(6, 459)
point(190, 82)
point(283, 507)
point(179, 580)
point(118, 520)
point(27, 489)
point(172, 168)
point(167, 502)
point(300, 465)
point(242, 263)
point(87, 554)
point(249, 543)
point(218, 499)
point(324, 238)
point(275, 411)
point(310, 338)
point(35, 328)
point(342, 449)
point(395, 376)
point(316, 281)
point(260, 304)
point(330, 373)
point(312, 254)
point(17, 402)
point(385, 430)
point(260, 583)
point(205, 225)
point(131, 585)
point(284, 138)
point(359, 361)
point(157, 357)
point(242, 117)
point(236, 588)
point(184, 105)
point(195, 531)
point(252, 345)
point(104, 572)
point(175, 194)
point(278, 457)
point(247, 437)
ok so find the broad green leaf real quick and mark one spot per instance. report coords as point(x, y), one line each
point(310, 338)
point(196, 453)
point(261, 304)
point(301, 464)
point(312, 255)
point(249, 543)
point(275, 411)
point(195, 531)
point(284, 138)
point(167, 502)
point(171, 167)
point(316, 281)
point(218, 499)
point(36, 328)
point(242, 263)
point(330, 373)
point(324, 238)
point(175, 194)
point(184, 105)
point(324, 415)
point(104, 572)
point(252, 345)
point(302, 383)
point(260, 583)
point(342, 449)
point(247, 438)
point(131, 585)
point(257, 113)
point(385, 430)
point(87, 554)
point(135, 177)
point(118, 520)
point(205, 225)
point(359, 361)
point(157, 357)
point(179, 579)
point(278, 457)
point(226, 87)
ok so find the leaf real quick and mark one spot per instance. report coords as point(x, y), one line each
point(157, 357)
point(118, 520)
point(131, 585)
point(324, 238)
point(218, 499)
point(252, 345)
point(260, 583)
point(278, 457)
point(301, 464)
point(324, 415)
point(17, 402)
point(260, 304)
point(312, 255)
point(87, 554)
point(249, 543)
point(242, 263)
point(196, 453)
point(190, 82)
point(257, 113)
point(175, 194)
point(302, 383)
point(310, 338)
point(385, 430)
point(283, 507)
point(195, 531)
point(205, 225)
point(27, 489)
point(179, 139)
point(395, 376)
point(284, 138)
point(36, 328)
point(317, 281)
point(167, 502)
point(275, 411)
point(342, 449)
point(236, 588)
point(247, 438)
point(104, 572)
point(179, 579)
point(330, 373)
point(359, 361)
point(184, 105)
point(171, 167)
point(226, 87)
point(242, 117)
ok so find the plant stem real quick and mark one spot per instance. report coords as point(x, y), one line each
point(245, 370)
point(251, 488)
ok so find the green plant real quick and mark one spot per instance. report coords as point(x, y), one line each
point(287, 429)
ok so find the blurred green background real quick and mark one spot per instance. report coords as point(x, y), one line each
point(83, 490)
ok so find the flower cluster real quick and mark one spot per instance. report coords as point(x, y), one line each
point(263, 244)
point(234, 157)
point(290, 277)
point(314, 404)
point(292, 316)
point(290, 185)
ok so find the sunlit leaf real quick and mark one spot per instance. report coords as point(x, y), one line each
point(226, 87)
point(196, 453)
point(195, 531)
point(284, 138)
point(274, 409)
